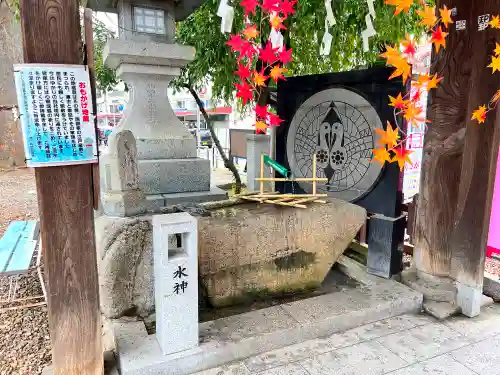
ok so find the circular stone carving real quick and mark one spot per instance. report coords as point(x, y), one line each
point(339, 126)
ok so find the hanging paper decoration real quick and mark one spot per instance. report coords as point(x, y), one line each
point(371, 8)
point(330, 21)
point(368, 33)
point(326, 42)
point(276, 39)
point(330, 18)
point(226, 13)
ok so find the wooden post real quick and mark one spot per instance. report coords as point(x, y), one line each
point(51, 34)
point(459, 154)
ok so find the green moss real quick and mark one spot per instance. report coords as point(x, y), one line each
point(252, 295)
point(299, 259)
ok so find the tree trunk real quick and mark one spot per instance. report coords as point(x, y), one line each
point(227, 162)
point(459, 155)
point(11, 144)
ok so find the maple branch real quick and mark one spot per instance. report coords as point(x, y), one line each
point(227, 162)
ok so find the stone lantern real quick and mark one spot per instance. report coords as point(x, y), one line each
point(146, 58)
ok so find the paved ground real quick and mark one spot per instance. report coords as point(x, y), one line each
point(406, 345)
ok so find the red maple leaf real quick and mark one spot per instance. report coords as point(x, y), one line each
point(236, 42)
point(244, 91)
point(285, 56)
point(247, 50)
point(271, 5)
point(243, 71)
point(409, 46)
point(268, 54)
point(439, 38)
point(402, 156)
point(244, 48)
point(287, 7)
point(274, 120)
point(249, 6)
point(261, 111)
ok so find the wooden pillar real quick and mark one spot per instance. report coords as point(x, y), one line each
point(459, 154)
point(51, 34)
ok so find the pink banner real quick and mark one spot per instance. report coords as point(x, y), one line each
point(494, 233)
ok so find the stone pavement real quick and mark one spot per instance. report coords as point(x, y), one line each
point(222, 176)
point(404, 345)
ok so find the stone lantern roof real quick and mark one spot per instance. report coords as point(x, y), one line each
point(182, 8)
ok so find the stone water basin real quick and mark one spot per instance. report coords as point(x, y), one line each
point(252, 251)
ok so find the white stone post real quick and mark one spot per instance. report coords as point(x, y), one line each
point(257, 144)
point(176, 282)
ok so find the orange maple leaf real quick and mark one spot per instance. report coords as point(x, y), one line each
point(412, 112)
point(402, 69)
point(260, 127)
point(439, 38)
point(445, 16)
point(398, 102)
point(381, 155)
point(401, 5)
point(497, 50)
point(422, 80)
point(402, 156)
point(390, 54)
point(495, 22)
point(277, 22)
point(251, 32)
point(495, 63)
point(277, 73)
point(428, 16)
point(388, 137)
point(259, 79)
point(432, 83)
point(480, 114)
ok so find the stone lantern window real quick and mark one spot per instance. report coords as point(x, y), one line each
point(149, 21)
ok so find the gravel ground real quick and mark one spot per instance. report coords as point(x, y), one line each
point(492, 266)
point(24, 334)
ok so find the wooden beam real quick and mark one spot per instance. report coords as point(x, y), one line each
point(51, 34)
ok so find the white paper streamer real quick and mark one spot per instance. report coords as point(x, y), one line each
point(371, 8)
point(276, 39)
point(326, 42)
point(330, 18)
point(368, 33)
point(220, 10)
point(226, 13)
